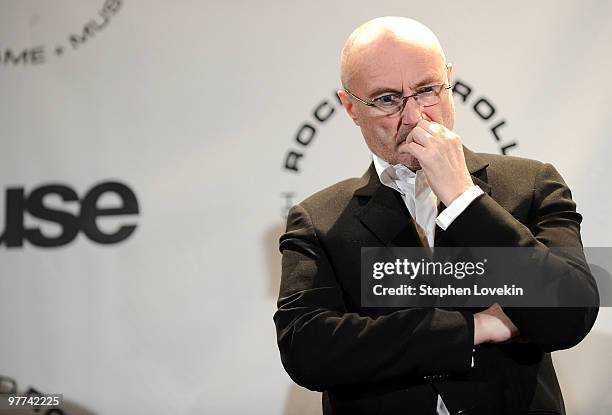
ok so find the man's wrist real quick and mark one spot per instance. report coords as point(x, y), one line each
point(453, 210)
point(481, 334)
point(477, 330)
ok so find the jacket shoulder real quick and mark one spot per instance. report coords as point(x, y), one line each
point(333, 198)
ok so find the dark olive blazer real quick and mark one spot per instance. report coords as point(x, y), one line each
point(396, 361)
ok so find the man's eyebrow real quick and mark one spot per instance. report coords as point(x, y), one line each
point(431, 79)
point(383, 89)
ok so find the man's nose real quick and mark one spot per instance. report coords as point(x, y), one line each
point(412, 112)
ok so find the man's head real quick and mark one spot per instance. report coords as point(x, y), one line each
point(399, 57)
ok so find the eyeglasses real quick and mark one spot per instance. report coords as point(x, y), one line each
point(394, 103)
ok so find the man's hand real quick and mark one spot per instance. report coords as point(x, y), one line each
point(440, 153)
point(493, 326)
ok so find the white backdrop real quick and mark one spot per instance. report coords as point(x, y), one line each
point(194, 107)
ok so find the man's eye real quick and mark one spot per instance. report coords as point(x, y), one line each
point(389, 99)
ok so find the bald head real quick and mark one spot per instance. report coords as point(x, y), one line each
point(369, 38)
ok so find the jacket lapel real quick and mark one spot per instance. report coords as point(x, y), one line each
point(478, 170)
point(385, 214)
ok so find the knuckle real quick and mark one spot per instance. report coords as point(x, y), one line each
point(454, 137)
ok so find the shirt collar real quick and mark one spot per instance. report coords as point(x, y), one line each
point(389, 174)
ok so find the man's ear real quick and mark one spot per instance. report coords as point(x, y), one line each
point(449, 73)
point(348, 105)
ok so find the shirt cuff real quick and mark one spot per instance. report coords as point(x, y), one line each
point(452, 211)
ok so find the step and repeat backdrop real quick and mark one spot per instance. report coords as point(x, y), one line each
point(149, 151)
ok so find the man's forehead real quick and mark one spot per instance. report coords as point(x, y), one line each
point(395, 68)
point(392, 53)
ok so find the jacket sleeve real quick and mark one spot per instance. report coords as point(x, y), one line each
point(553, 223)
point(322, 346)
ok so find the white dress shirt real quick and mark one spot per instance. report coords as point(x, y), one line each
point(422, 204)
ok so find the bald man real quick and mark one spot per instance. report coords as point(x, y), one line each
point(423, 188)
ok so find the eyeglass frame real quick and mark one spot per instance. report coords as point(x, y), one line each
point(405, 98)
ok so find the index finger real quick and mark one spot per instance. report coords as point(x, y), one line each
point(431, 127)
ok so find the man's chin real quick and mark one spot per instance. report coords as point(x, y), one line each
point(411, 162)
